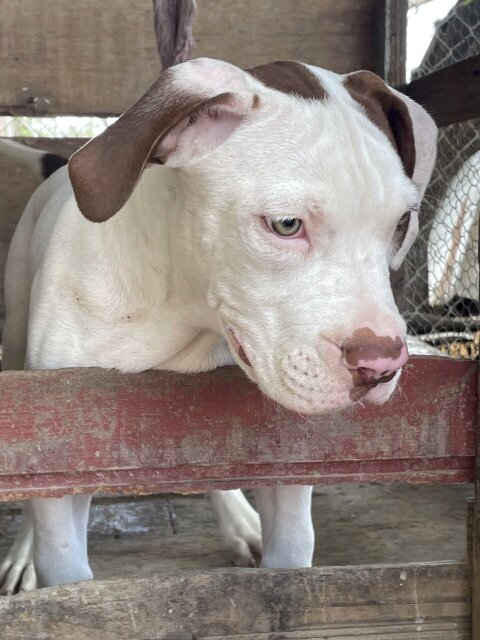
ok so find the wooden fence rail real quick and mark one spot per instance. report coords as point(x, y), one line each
point(89, 430)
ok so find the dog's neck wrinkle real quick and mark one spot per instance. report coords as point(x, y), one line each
point(189, 275)
point(136, 240)
point(153, 235)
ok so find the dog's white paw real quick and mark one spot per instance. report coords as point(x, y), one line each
point(17, 572)
point(246, 548)
point(240, 527)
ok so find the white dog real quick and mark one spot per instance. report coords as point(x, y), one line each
point(249, 217)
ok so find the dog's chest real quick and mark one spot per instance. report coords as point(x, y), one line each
point(73, 328)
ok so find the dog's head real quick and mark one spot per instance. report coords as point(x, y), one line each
point(300, 189)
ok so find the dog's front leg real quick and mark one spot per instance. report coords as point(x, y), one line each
point(60, 539)
point(287, 530)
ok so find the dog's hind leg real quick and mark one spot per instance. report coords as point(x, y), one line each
point(287, 529)
point(239, 525)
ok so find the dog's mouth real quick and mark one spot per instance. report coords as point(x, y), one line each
point(361, 389)
point(238, 347)
point(358, 391)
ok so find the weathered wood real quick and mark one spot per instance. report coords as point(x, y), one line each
point(96, 57)
point(470, 504)
point(474, 550)
point(425, 601)
point(451, 94)
point(391, 40)
point(17, 183)
point(475, 547)
point(88, 430)
point(391, 64)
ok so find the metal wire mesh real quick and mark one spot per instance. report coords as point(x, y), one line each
point(53, 127)
point(441, 289)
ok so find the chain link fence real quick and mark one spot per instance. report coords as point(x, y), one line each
point(441, 275)
point(53, 127)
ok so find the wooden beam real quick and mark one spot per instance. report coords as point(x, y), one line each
point(96, 58)
point(475, 544)
point(388, 602)
point(391, 40)
point(391, 65)
point(451, 94)
point(90, 430)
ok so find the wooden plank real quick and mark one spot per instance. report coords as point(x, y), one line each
point(397, 602)
point(17, 183)
point(89, 430)
point(391, 65)
point(96, 57)
point(475, 546)
point(451, 94)
point(391, 39)
point(474, 549)
point(470, 517)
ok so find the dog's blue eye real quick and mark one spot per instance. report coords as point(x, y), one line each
point(286, 226)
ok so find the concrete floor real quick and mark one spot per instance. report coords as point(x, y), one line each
point(355, 524)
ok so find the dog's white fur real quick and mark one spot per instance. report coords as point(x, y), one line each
point(22, 155)
point(188, 258)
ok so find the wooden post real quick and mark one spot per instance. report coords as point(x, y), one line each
point(470, 511)
point(390, 64)
point(475, 553)
point(391, 40)
point(475, 568)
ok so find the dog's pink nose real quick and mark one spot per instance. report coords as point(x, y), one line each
point(375, 360)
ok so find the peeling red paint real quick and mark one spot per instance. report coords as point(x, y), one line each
point(88, 430)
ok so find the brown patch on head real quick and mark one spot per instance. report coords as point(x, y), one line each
point(289, 77)
point(387, 111)
point(366, 345)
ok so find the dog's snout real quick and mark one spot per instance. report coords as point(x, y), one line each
point(373, 359)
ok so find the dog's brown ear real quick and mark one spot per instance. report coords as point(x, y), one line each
point(186, 113)
point(409, 128)
point(406, 124)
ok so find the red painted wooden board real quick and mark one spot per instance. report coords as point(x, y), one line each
point(89, 430)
